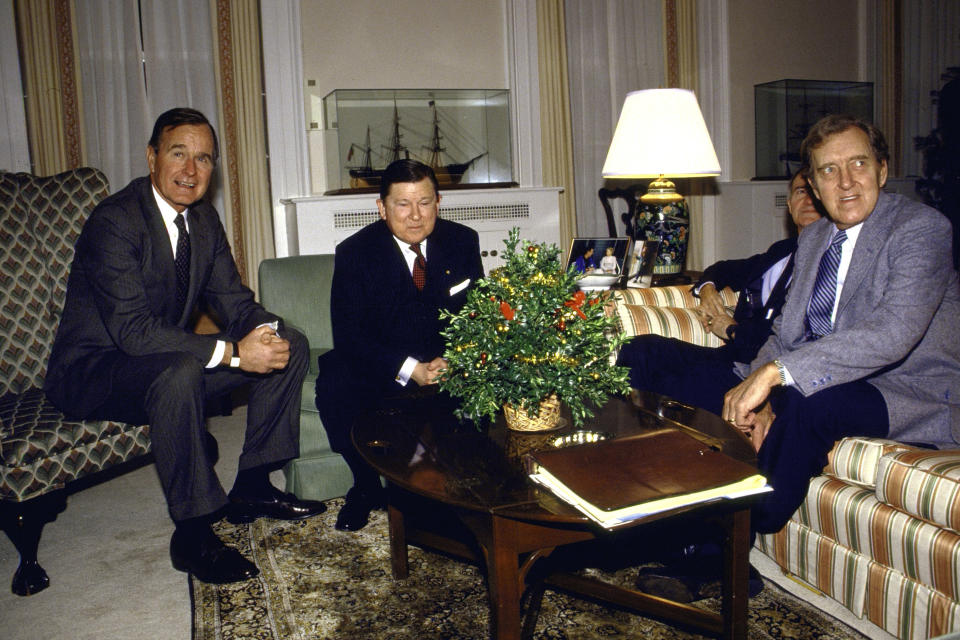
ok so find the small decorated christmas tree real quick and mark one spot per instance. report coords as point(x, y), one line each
point(527, 334)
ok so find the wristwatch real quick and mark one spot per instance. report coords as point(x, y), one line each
point(235, 358)
point(782, 370)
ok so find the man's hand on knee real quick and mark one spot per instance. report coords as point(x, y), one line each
point(263, 351)
point(741, 404)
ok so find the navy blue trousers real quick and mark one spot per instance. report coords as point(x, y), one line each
point(803, 433)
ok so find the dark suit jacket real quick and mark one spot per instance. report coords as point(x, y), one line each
point(754, 318)
point(379, 317)
point(121, 295)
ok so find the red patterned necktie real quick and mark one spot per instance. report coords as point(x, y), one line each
point(419, 268)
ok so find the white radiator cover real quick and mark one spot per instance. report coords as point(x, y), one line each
point(316, 224)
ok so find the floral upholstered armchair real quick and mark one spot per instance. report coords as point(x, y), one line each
point(41, 451)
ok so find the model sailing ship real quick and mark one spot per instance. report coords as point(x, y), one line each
point(448, 174)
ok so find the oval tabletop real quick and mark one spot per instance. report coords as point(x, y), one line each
point(419, 445)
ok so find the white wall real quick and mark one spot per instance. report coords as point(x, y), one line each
point(809, 40)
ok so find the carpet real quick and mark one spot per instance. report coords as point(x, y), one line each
point(316, 583)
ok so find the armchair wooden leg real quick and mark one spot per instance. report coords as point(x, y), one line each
point(23, 522)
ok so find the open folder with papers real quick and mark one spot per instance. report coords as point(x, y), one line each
point(617, 481)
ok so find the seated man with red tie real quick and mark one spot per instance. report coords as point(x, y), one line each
point(390, 281)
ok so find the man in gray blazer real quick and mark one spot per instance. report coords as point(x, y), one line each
point(867, 340)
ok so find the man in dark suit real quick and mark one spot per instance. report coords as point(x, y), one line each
point(390, 280)
point(124, 350)
point(674, 367)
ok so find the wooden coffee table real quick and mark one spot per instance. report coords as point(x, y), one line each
point(479, 479)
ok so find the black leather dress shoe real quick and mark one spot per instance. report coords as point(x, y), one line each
point(355, 512)
point(209, 560)
point(278, 505)
point(694, 574)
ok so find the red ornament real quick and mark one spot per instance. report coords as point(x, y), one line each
point(576, 302)
point(507, 312)
point(483, 358)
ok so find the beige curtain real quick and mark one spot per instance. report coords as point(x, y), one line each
point(244, 135)
point(891, 89)
point(50, 82)
point(555, 124)
point(680, 56)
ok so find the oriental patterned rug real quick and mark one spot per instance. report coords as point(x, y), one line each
point(317, 583)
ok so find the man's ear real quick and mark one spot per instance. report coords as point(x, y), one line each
point(882, 178)
point(151, 158)
point(381, 209)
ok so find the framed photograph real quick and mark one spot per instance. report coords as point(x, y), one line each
point(643, 258)
point(598, 256)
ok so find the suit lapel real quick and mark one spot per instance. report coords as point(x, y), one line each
point(872, 236)
point(162, 258)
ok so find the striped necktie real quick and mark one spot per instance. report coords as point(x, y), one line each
point(419, 268)
point(820, 310)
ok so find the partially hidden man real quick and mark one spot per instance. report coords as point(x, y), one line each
point(676, 368)
point(390, 281)
point(147, 256)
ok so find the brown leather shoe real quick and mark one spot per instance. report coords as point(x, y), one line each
point(209, 559)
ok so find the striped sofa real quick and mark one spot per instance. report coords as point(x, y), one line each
point(879, 531)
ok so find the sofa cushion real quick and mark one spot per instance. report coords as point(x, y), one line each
point(672, 296)
point(857, 520)
point(923, 483)
point(672, 322)
point(40, 221)
point(856, 459)
point(42, 450)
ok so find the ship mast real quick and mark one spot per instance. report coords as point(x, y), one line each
point(395, 146)
point(365, 149)
point(436, 151)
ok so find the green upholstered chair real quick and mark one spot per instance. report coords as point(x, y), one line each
point(297, 289)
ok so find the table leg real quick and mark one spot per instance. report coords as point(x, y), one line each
point(736, 568)
point(503, 572)
point(398, 543)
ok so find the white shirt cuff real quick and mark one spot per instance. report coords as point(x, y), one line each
point(403, 376)
point(217, 356)
point(696, 289)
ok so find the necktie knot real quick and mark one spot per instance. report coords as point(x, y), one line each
point(419, 267)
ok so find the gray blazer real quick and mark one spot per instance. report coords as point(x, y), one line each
point(896, 325)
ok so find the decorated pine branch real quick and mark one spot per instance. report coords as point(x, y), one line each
point(525, 333)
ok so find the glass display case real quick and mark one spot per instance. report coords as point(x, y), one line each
point(464, 134)
point(786, 109)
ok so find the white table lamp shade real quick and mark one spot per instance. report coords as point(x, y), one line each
point(661, 132)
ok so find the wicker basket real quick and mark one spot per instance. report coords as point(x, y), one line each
point(519, 420)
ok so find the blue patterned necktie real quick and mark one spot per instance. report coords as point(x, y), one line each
point(182, 260)
point(820, 311)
